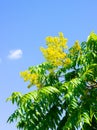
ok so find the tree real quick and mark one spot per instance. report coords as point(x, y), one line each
point(66, 94)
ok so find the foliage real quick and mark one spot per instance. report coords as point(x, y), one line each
point(66, 95)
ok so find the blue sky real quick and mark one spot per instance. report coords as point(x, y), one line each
point(24, 24)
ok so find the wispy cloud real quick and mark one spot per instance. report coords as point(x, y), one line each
point(15, 54)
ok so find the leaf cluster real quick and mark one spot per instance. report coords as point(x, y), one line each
point(67, 98)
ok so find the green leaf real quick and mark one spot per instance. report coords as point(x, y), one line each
point(86, 118)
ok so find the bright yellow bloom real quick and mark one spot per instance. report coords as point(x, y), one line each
point(77, 45)
point(76, 48)
point(92, 36)
point(61, 34)
point(25, 75)
point(54, 53)
point(33, 78)
point(67, 61)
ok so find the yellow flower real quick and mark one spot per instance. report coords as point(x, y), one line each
point(54, 53)
point(38, 85)
point(92, 36)
point(61, 34)
point(76, 48)
point(34, 78)
point(77, 45)
point(25, 75)
point(67, 61)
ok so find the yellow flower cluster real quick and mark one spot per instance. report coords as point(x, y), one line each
point(92, 36)
point(67, 61)
point(54, 53)
point(25, 75)
point(75, 48)
point(33, 78)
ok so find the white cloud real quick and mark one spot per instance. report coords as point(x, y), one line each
point(15, 54)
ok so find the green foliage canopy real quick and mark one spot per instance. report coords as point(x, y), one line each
point(66, 94)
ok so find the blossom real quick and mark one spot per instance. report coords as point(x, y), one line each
point(67, 61)
point(25, 75)
point(33, 78)
point(54, 52)
point(76, 48)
